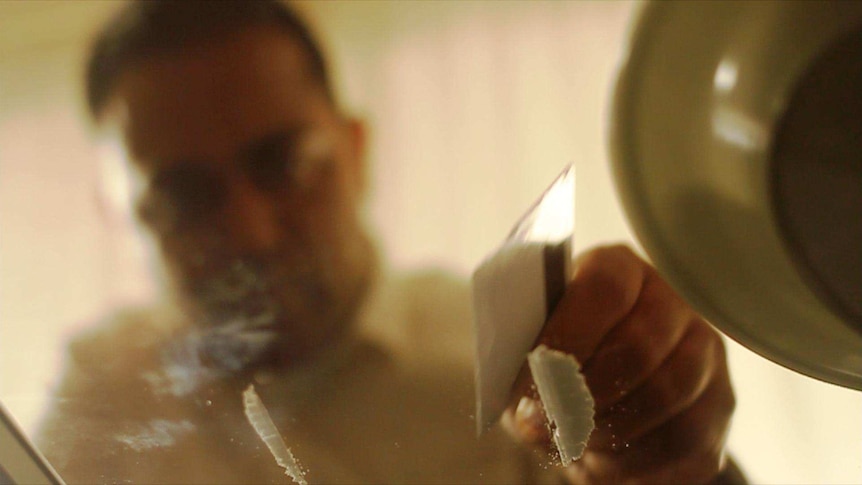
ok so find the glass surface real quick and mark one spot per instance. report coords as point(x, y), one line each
point(471, 108)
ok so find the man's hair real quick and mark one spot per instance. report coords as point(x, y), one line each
point(146, 27)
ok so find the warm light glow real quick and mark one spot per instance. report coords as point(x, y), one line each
point(725, 76)
point(736, 128)
point(553, 218)
point(115, 185)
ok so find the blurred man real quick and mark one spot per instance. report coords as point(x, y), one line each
point(250, 181)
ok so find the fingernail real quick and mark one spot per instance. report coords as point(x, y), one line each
point(529, 413)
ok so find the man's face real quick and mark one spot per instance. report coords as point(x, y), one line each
point(250, 183)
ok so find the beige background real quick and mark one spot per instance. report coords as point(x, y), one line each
point(473, 107)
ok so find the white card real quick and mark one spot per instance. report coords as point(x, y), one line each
point(514, 290)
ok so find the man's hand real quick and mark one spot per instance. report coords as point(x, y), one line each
point(656, 369)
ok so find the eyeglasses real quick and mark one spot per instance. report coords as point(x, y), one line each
point(282, 163)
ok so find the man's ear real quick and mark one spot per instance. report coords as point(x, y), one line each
point(357, 138)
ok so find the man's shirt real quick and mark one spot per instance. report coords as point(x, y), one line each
point(392, 404)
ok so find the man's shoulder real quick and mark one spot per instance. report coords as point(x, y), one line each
point(423, 313)
point(436, 289)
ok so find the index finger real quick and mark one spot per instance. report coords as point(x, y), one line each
point(605, 286)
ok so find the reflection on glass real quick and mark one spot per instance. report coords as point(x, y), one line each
point(247, 187)
point(228, 151)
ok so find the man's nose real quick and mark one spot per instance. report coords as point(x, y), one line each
point(251, 220)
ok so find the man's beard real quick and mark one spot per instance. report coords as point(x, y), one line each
point(273, 309)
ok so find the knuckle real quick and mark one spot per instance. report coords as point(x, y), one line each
point(637, 354)
point(697, 367)
point(689, 436)
point(618, 255)
point(680, 384)
point(653, 320)
point(610, 273)
point(729, 405)
point(659, 297)
point(639, 331)
point(704, 427)
point(726, 398)
point(718, 344)
point(620, 369)
point(695, 345)
point(666, 391)
point(704, 462)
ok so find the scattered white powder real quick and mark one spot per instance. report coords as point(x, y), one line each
point(158, 433)
point(567, 400)
point(262, 423)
